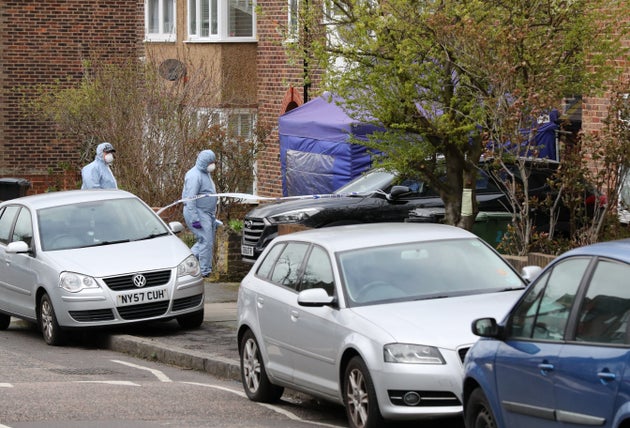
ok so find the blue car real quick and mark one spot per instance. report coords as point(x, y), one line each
point(561, 356)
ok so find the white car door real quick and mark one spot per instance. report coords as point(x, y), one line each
point(274, 298)
point(19, 277)
point(316, 332)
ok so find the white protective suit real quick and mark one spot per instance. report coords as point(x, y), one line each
point(203, 210)
point(97, 174)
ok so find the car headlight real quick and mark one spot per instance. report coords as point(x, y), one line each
point(295, 216)
point(190, 266)
point(75, 282)
point(412, 354)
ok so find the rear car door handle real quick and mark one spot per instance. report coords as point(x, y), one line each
point(605, 376)
point(545, 368)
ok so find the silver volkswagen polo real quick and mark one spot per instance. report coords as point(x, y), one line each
point(373, 316)
point(90, 258)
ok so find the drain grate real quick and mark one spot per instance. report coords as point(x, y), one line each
point(84, 371)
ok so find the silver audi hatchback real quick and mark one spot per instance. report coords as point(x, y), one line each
point(92, 258)
point(372, 316)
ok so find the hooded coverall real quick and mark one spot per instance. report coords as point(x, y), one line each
point(199, 182)
point(97, 174)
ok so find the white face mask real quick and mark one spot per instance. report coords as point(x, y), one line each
point(109, 158)
point(211, 168)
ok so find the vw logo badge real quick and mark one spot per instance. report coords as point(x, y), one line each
point(139, 281)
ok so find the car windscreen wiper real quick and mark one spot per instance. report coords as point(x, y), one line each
point(119, 241)
point(521, 287)
point(151, 236)
point(435, 296)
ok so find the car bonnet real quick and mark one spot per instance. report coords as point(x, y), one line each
point(164, 252)
point(445, 323)
point(267, 210)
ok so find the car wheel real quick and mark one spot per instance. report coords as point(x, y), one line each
point(190, 321)
point(478, 412)
point(5, 320)
point(53, 334)
point(253, 374)
point(359, 396)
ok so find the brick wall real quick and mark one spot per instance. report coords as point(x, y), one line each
point(45, 41)
point(276, 78)
point(595, 108)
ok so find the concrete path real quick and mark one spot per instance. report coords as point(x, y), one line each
point(211, 348)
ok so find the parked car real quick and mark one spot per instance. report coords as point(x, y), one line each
point(382, 196)
point(373, 316)
point(561, 356)
point(93, 258)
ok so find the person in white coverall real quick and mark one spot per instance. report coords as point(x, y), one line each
point(200, 213)
point(97, 174)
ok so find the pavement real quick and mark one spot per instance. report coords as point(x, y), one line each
point(212, 348)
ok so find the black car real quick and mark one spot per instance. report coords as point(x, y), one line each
point(377, 196)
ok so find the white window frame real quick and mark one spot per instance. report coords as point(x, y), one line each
point(222, 21)
point(626, 101)
point(293, 14)
point(163, 35)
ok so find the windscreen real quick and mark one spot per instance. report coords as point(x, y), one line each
point(94, 223)
point(424, 270)
point(373, 180)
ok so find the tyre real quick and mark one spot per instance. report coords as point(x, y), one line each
point(190, 321)
point(53, 334)
point(478, 413)
point(253, 374)
point(5, 320)
point(359, 396)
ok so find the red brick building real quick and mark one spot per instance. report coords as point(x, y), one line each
point(45, 41)
point(41, 42)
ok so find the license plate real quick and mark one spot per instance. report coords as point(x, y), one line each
point(139, 297)
point(247, 250)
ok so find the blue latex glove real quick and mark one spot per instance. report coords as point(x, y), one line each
point(196, 225)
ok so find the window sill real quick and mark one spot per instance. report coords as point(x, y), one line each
point(227, 40)
point(159, 39)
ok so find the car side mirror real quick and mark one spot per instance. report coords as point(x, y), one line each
point(176, 227)
point(530, 273)
point(486, 327)
point(314, 297)
point(397, 191)
point(17, 247)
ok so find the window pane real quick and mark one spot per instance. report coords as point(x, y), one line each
point(169, 16)
point(23, 230)
point(293, 18)
point(205, 18)
point(240, 18)
point(153, 16)
point(192, 18)
point(287, 268)
point(267, 264)
point(6, 220)
point(544, 312)
point(604, 313)
point(318, 272)
point(214, 29)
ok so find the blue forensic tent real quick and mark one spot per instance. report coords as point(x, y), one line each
point(315, 153)
point(544, 145)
